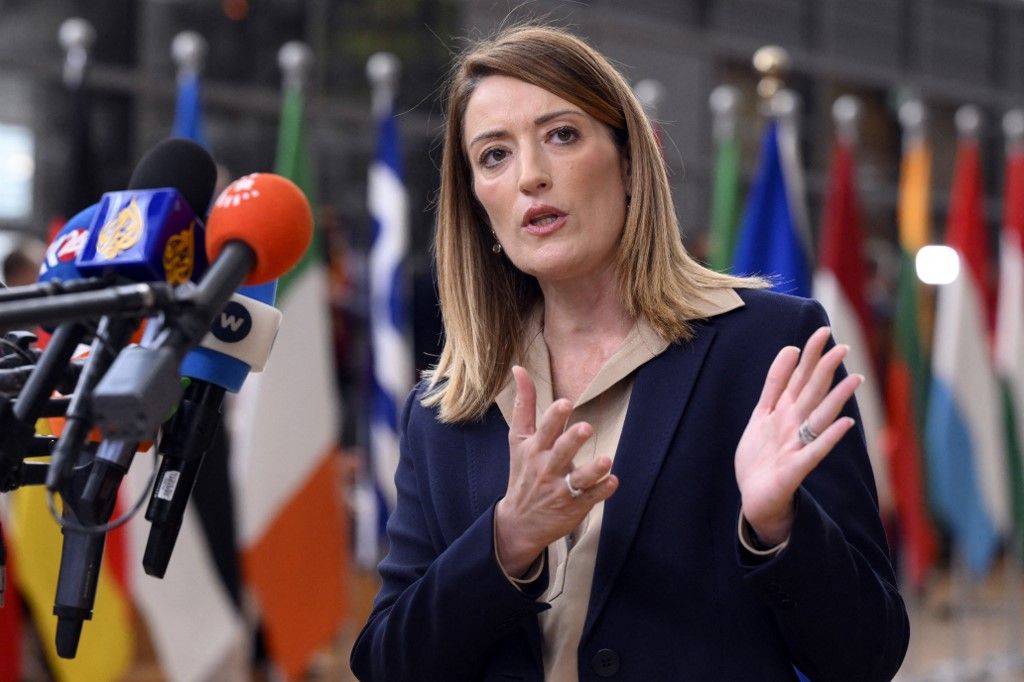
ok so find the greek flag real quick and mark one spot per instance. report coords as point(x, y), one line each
point(390, 347)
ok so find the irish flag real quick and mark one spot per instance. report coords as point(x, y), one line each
point(964, 427)
point(840, 284)
point(284, 448)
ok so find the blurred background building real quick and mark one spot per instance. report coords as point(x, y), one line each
point(885, 52)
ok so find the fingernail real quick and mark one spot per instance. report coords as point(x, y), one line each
point(860, 378)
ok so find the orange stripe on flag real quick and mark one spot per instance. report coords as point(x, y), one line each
point(299, 570)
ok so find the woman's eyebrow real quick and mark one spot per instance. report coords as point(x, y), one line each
point(539, 121)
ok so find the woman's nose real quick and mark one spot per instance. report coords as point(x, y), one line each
point(533, 172)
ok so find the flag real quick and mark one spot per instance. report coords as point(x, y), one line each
point(840, 284)
point(106, 648)
point(773, 237)
point(392, 358)
point(907, 377)
point(196, 606)
point(1010, 329)
point(725, 202)
point(964, 427)
point(285, 453)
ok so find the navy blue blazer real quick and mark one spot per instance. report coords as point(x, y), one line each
point(675, 597)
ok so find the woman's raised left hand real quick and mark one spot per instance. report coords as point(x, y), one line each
point(772, 459)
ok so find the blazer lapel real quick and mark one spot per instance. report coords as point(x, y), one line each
point(660, 393)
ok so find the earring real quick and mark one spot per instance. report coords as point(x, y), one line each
point(496, 247)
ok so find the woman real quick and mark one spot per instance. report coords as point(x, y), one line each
point(618, 466)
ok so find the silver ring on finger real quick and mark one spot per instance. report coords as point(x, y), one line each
point(805, 433)
point(573, 490)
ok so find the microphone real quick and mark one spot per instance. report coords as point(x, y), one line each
point(139, 233)
point(57, 273)
point(142, 235)
point(240, 340)
point(259, 228)
point(150, 231)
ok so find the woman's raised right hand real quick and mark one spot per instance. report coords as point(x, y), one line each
point(538, 507)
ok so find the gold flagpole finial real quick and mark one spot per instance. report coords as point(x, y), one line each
point(773, 63)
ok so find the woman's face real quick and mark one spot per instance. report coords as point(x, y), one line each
point(550, 178)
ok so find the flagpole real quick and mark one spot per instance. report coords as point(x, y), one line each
point(188, 49)
point(967, 120)
point(650, 93)
point(1013, 132)
point(846, 112)
point(782, 105)
point(383, 70)
point(76, 36)
point(295, 59)
point(913, 117)
point(388, 296)
point(913, 120)
point(724, 103)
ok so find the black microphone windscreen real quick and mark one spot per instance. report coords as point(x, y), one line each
point(181, 164)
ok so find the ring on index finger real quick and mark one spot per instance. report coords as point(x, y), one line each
point(805, 433)
point(573, 490)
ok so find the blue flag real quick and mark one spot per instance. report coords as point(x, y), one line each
point(188, 114)
point(770, 239)
point(392, 357)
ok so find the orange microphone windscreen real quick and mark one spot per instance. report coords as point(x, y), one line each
point(270, 214)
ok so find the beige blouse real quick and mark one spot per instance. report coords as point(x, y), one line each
point(603, 405)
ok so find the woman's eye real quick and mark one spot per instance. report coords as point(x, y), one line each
point(492, 157)
point(565, 135)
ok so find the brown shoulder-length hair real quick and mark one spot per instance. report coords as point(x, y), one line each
point(484, 299)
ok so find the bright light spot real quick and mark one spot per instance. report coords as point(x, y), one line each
point(937, 264)
point(20, 167)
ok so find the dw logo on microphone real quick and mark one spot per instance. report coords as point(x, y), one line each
point(233, 324)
